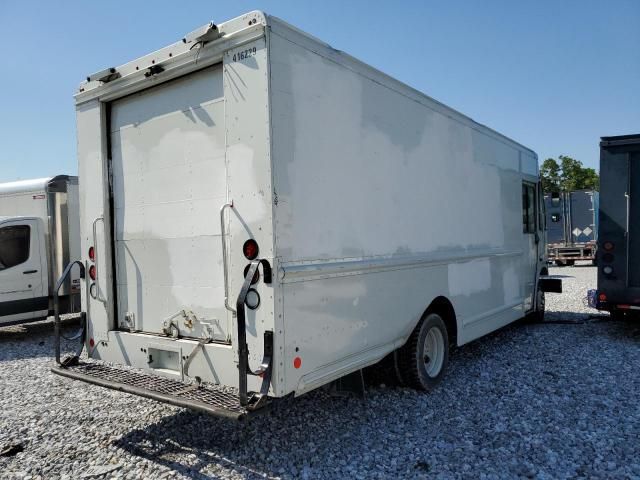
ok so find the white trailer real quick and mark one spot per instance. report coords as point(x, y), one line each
point(39, 236)
point(270, 214)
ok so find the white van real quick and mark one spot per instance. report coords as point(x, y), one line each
point(268, 214)
point(39, 236)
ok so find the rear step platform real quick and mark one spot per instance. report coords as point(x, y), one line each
point(208, 398)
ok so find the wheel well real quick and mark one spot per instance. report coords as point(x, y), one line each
point(442, 306)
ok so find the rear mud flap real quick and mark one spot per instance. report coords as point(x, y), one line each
point(550, 284)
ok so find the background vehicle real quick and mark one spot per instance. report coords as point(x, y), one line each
point(357, 217)
point(572, 226)
point(39, 236)
point(619, 233)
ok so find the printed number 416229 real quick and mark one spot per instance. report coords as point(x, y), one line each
point(249, 52)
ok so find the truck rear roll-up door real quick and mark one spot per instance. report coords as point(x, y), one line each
point(169, 181)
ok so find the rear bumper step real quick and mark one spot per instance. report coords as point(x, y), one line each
point(212, 399)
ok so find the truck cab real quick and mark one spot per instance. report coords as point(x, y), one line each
point(23, 270)
point(39, 236)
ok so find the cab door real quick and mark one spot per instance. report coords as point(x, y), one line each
point(531, 242)
point(23, 296)
point(542, 228)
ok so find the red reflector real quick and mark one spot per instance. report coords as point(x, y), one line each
point(92, 272)
point(250, 249)
point(624, 307)
point(608, 246)
point(297, 362)
point(92, 254)
point(602, 297)
point(91, 342)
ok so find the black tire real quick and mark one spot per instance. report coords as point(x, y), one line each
point(416, 366)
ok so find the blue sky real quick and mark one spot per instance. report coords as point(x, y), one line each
point(553, 75)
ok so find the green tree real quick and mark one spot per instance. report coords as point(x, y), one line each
point(567, 176)
point(550, 175)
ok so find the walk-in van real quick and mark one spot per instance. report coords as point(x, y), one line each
point(262, 214)
point(39, 236)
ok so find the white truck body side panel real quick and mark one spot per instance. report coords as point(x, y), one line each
point(92, 132)
point(386, 201)
point(24, 198)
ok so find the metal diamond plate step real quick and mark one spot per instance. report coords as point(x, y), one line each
point(208, 398)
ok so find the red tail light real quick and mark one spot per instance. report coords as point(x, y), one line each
point(602, 297)
point(250, 249)
point(92, 254)
point(608, 246)
point(92, 272)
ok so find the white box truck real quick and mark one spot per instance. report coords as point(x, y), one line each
point(39, 236)
point(267, 214)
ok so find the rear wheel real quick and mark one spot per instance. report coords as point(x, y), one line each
point(424, 358)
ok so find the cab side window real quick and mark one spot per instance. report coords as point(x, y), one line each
point(528, 208)
point(14, 245)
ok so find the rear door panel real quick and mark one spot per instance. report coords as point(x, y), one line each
point(169, 181)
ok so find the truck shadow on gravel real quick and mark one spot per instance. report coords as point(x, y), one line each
point(202, 447)
point(31, 340)
point(399, 432)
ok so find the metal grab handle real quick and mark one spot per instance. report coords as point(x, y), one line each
point(628, 195)
point(265, 368)
point(95, 257)
point(224, 255)
point(56, 315)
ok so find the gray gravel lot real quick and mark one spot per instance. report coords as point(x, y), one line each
point(532, 400)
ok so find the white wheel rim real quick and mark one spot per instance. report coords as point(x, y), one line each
point(433, 352)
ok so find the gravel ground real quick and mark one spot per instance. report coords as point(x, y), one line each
point(531, 401)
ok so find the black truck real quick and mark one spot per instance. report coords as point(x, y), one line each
point(619, 225)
